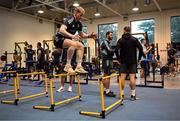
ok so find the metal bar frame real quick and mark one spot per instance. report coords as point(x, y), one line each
point(104, 109)
point(7, 91)
point(17, 88)
point(52, 101)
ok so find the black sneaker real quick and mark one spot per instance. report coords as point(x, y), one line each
point(133, 98)
point(110, 94)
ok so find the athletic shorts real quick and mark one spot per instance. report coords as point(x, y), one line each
point(128, 68)
point(59, 40)
point(107, 66)
point(41, 65)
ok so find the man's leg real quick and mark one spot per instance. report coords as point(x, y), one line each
point(63, 78)
point(71, 80)
point(72, 46)
point(79, 57)
point(122, 81)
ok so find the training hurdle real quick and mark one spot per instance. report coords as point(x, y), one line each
point(16, 87)
point(104, 110)
point(8, 91)
point(52, 102)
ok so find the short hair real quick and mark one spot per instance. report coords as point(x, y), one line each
point(127, 29)
point(39, 44)
point(142, 40)
point(107, 33)
point(80, 9)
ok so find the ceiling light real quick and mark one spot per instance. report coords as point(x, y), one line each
point(75, 4)
point(97, 14)
point(40, 11)
point(135, 8)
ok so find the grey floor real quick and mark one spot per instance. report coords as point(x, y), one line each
point(153, 103)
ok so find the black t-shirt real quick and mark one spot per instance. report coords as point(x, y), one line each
point(72, 25)
point(29, 54)
point(42, 56)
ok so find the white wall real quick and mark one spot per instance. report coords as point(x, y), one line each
point(17, 28)
point(162, 26)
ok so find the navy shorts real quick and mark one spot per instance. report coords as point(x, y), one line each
point(59, 40)
point(107, 66)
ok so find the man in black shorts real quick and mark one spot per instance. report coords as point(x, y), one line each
point(30, 59)
point(66, 37)
point(107, 62)
point(40, 60)
point(128, 58)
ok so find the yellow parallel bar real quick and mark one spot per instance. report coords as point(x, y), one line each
point(7, 101)
point(90, 113)
point(30, 96)
point(112, 105)
point(51, 92)
point(67, 100)
point(120, 87)
point(101, 94)
point(34, 73)
point(15, 88)
point(46, 84)
point(41, 107)
point(6, 91)
point(112, 75)
point(65, 74)
point(7, 72)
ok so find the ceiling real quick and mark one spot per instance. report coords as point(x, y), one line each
point(56, 10)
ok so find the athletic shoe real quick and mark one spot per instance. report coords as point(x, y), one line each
point(69, 69)
point(110, 94)
point(133, 98)
point(61, 89)
point(80, 69)
point(70, 89)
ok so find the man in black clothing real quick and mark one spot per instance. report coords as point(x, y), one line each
point(40, 61)
point(128, 58)
point(30, 58)
point(67, 38)
point(107, 62)
point(171, 60)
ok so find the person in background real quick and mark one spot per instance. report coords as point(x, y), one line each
point(107, 62)
point(171, 60)
point(127, 57)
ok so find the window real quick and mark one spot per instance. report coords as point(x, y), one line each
point(175, 29)
point(103, 28)
point(142, 26)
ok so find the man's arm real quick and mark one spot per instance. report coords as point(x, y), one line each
point(141, 53)
point(63, 29)
point(118, 47)
point(84, 35)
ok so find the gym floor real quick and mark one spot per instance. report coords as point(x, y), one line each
point(153, 103)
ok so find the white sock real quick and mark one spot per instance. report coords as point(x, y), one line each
point(68, 62)
point(122, 92)
point(133, 92)
point(107, 91)
point(79, 63)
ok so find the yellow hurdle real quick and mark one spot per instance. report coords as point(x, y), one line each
point(8, 91)
point(52, 101)
point(104, 109)
point(17, 88)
